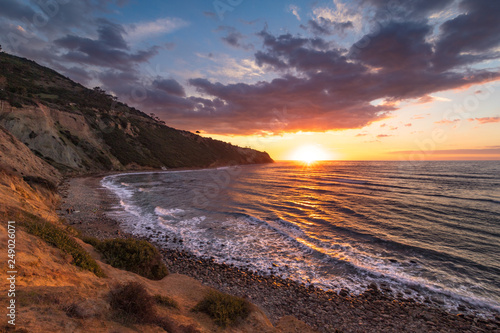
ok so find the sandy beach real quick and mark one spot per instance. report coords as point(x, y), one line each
point(85, 204)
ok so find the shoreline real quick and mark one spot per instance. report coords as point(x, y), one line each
point(324, 310)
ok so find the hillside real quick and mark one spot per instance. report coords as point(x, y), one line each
point(80, 130)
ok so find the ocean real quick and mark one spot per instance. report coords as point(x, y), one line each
point(423, 230)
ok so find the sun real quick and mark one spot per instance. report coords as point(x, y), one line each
point(309, 154)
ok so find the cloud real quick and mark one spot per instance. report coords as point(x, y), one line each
point(447, 122)
point(408, 125)
point(161, 26)
point(384, 136)
point(324, 26)
point(486, 120)
point(425, 99)
point(397, 47)
point(471, 37)
point(170, 86)
point(233, 38)
point(12, 9)
point(79, 75)
point(225, 67)
point(324, 87)
point(420, 116)
point(361, 134)
point(295, 11)
point(492, 150)
point(108, 50)
point(406, 10)
point(343, 16)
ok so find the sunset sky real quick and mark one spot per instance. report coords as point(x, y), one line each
point(360, 79)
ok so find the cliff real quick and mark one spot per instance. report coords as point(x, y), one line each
point(80, 130)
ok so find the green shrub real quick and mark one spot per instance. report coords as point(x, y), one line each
point(224, 309)
point(166, 301)
point(137, 256)
point(59, 238)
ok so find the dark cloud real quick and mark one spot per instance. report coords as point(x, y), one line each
point(406, 9)
point(470, 37)
point(330, 88)
point(155, 95)
point(170, 86)
point(252, 108)
point(78, 74)
point(108, 50)
point(15, 10)
point(324, 26)
point(398, 46)
point(111, 34)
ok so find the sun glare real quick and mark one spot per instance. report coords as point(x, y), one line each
point(309, 154)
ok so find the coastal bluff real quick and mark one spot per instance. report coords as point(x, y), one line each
point(79, 130)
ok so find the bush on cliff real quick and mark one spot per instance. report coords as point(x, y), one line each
point(132, 304)
point(224, 309)
point(137, 256)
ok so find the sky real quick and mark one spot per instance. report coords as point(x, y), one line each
point(343, 80)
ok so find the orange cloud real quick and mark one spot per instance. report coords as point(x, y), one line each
point(486, 120)
point(446, 121)
point(420, 116)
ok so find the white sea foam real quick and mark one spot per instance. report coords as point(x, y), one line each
point(172, 212)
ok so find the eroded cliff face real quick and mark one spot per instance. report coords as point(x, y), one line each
point(17, 159)
point(62, 138)
point(79, 130)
